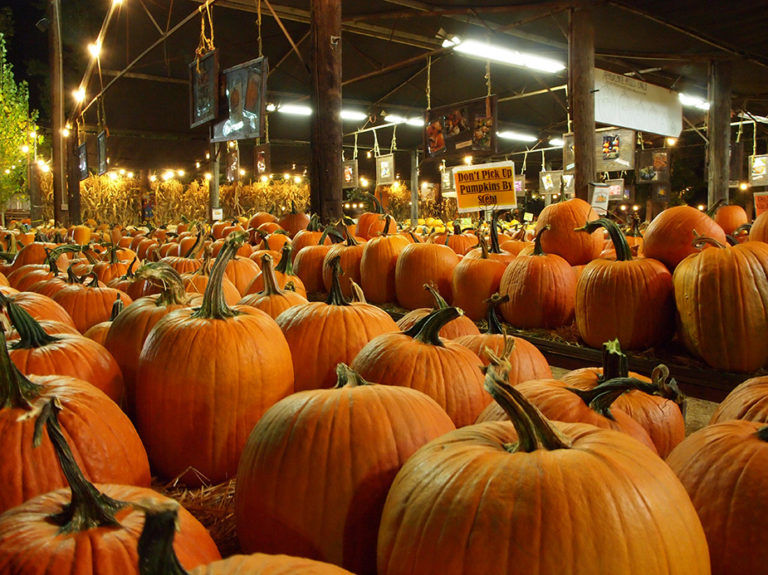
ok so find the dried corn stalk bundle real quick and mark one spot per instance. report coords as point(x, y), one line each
point(173, 200)
point(46, 195)
point(274, 196)
point(110, 200)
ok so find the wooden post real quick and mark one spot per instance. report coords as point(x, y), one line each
point(414, 187)
point(73, 177)
point(581, 85)
point(719, 130)
point(325, 171)
point(57, 112)
point(35, 199)
point(213, 183)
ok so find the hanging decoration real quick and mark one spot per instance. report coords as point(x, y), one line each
point(101, 152)
point(349, 174)
point(233, 161)
point(246, 91)
point(204, 75)
point(465, 127)
point(385, 169)
point(262, 159)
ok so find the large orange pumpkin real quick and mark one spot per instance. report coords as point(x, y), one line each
point(370, 224)
point(475, 280)
point(748, 401)
point(759, 230)
point(730, 218)
point(284, 274)
point(89, 304)
point(205, 378)
point(476, 501)
point(669, 237)
point(420, 264)
point(378, 263)
point(351, 253)
point(563, 218)
point(369, 431)
point(323, 334)
point(293, 222)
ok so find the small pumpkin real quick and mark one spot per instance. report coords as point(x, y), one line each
point(272, 299)
point(458, 327)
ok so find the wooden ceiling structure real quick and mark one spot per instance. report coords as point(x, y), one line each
point(394, 62)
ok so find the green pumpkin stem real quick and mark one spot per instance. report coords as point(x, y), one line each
point(88, 508)
point(494, 232)
point(534, 431)
point(615, 362)
point(494, 325)
point(700, 241)
point(440, 303)
point(169, 280)
point(31, 333)
point(351, 241)
point(285, 265)
point(197, 246)
point(377, 208)
point(483, 247)
point(117, 307)
point(270, 279)
point(762, 433)
point(71, 275)
point(427, 329)
point(16, 391)
point(387, 222)
point(601, 398)
point(537, 249)
point(54, 254)
point(335, 295)
point(155, 546)
point(623, 252)
point(348, 377)
point(214, 306)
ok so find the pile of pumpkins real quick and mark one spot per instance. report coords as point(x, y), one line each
point(360, 444)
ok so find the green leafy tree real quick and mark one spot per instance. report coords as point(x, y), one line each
point(16, 124)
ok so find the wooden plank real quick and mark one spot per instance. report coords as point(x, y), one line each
point(719, 131)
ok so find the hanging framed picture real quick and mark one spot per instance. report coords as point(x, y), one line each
point(246, 90)
point(758, 170)
point(82, 161)
point(385, 169)
point(652, 166)
point(204, 89)
point(349, 174)
point(614, 150)
point(461, 128)
point(101, 152)
point(261, 160)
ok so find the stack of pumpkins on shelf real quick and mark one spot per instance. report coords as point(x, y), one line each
point(361, 445)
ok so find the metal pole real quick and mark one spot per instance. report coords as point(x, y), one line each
point(57, 97)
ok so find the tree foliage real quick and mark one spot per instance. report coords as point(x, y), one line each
point(16, 124)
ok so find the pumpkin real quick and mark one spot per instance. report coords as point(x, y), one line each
point(525, 360)
point(42, 308)
point(447, 372)
point(748, 401)
point(216, 369)
point(293, 222)
point(311, 236)
point(370, 224)
point(350, 252)
point(259, 218)
point(188, 260)
point(129, 329)
point(420, 264)
point(563, 218)
point(631, 300)
point(107, 270)
point(721, 296)
point(493, 251)
point(89, 304)
point(475, 280)
point(669, 237)
point(105, 443)
point(370, 431)
point(458, 241)
point(196, 282)
point(476, 501)
point(272, 299)
point(730, 218)
point(759, 230)
point(541, 289)
point(284, 274)
point(324, 334)
point(723, 468)
point(53, 533)
point(458, 327)
point(98, 332)
point(24, 277)
point(378, 263)
point(157, 556)
point(309, 261)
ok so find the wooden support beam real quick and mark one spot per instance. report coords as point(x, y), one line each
point(719, 130)
point(325, 171)
point(213, 183)
point(73, 177)
point(148, 77)
point(581, 85)
point(57, 112)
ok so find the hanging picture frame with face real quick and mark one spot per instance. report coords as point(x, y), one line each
point(82, 161)
point(101, 152)
point(261, 160)
point(385, 169)
point(349, 176)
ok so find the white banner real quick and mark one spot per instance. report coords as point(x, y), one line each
point(630, 103)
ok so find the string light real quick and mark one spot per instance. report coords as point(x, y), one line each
point(94, 49)
point(297, 179)
point(264, 179)
point(743, 186)
point(208, 176)
point(129, 175)
point(180, 173)
point(79, 95)
point(468, 160)
point(364, 182)
point(113, 175)
point(286, 176)
point(702, 207)
point(242, 172)
point(25, 149)
point(152, 178)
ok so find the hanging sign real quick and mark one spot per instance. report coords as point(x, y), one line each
point(82, 160)
point(761, 202)
point(485, 186)
point(462, 128)
point(246, 89)
point(600, 197)
point(349, 174)
point(624, 101)
point(101, 152)
point(385, 169)
point(204, 89)
point(652, 166)
point(758, 171)
point(261, 160)
point(614, 150)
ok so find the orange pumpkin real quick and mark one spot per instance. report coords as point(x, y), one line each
point(563, 218)
point(730, 218)
point(89, 304)
point(748, 401)
point(669, 237)
point(350, 253)
point(458, 327)
point(284, 275)
point(420, 264)
point(475, 280)
point(378, 263)
point(293, 222)
point(272, 299)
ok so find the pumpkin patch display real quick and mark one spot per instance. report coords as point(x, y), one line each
point(272, 299)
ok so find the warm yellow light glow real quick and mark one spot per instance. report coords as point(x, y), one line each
point(65, 132)
point(264, 179)
point(346, 206)
point(122, 172)
point(113, 175)
point(242, 172)
point(208, 176)
point(623, 208)
point(207, 156)
point(743, 186)
point(33, 134)
point(94, 49)
point(197, 165)
point(45, 168)
point(286, 176)
point(79, 95)
point(671, 141)
point(25, 149)
point(7, 171)
point(396, 185)
point(153, 178)
point(702, 207)
point(468, 160)
point(297, 179)
point(129, 175)
point(364, 182)
point(168, 175)
point(635, 208)
point(117, 2)
point(180, 173)
point(368, 154)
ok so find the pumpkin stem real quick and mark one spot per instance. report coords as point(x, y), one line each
point(601, 398)
point(387, 222)
point(351, 241)
point(615, 362)
point(358, 295)
point(54, 254)
point(155, 547)
point(336, 296)
point(16, 391)
point(713, 208)
point(376, 203)
point(534, 431)
point(440, 303)
point(88, 507)
point(270, 280)
point(494, 325)
point(623, 253)
point(162, 274)
point(427, 329)
point(31, 333)
point(214, 306)
point(285, 265)
point(537, 249)
point(71, 275)
point(483, 247)
point(348, 377)
point(762, 433)
point(700, 241)
point(117, 307)
point(193, 251)
point(494, 233)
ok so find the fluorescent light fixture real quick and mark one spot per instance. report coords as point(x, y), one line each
point(397, 119)
point(488, 51)
point(271, 107)
point(295, 110)
point(693, 101)
point(557, 142)
point(353, 115)
point(418, 122)
point(516, 136)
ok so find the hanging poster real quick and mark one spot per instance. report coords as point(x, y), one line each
point(385, 169)
point(550, 183)
point(204, 89)
point(261, 161)
point(652, 166)
point(446, 179)
point(614, 150)
point(761, 202)
point(616, 190)
point(349, 174)
point(758, 170)
point(601, 196)
point(82, 161)
point(485, 186)
point(101, 152)
point(465, 127)
point(246, 89)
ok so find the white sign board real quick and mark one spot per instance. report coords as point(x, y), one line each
point(600, 197)
point(217, 214)
point(630, 103)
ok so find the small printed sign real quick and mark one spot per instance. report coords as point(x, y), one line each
point(485, 186)
point(600, 197)
point(217, 214)
point(761, 202)
point(527, 217)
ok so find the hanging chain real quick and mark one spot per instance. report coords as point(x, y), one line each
point(375, 145)
point(354, 151)
point(258, 24)
point(488, 76)
point(543, 161)
point(429, 83)
point(393, 145)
